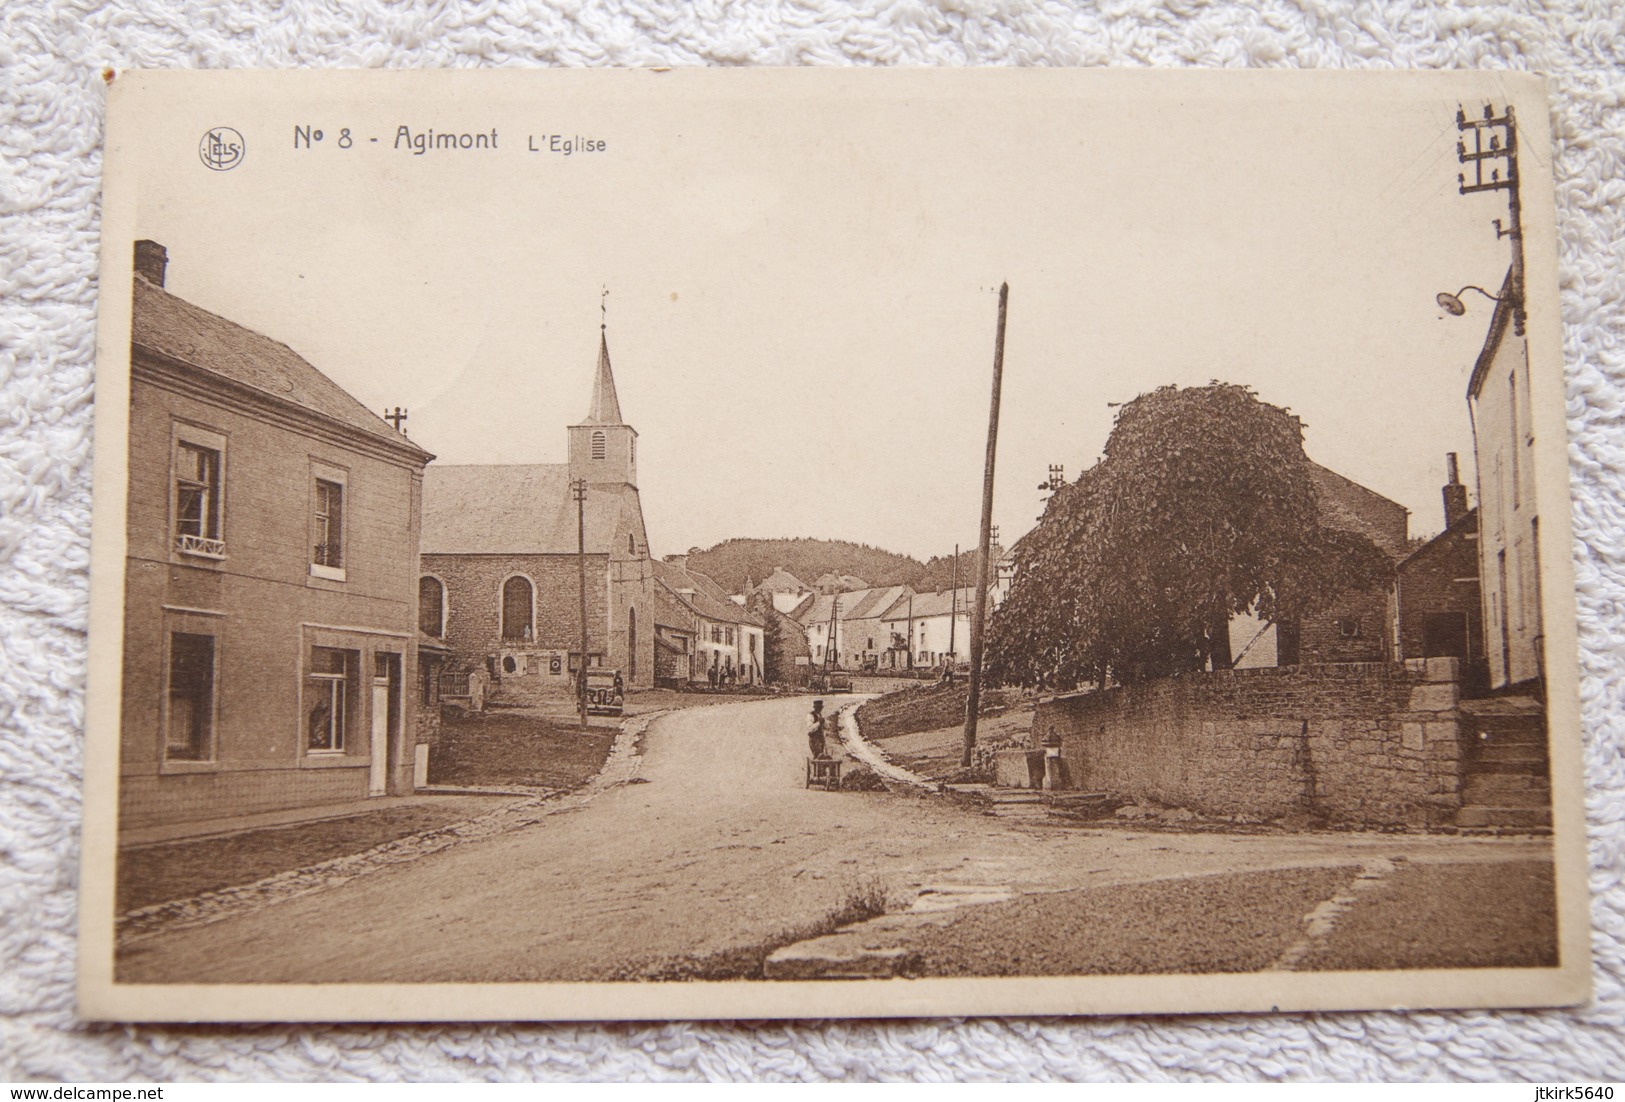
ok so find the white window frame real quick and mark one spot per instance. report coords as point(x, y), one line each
point(319, 473)
point(338, 717)
point(189, 547)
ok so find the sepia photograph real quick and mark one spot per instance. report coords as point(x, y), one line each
point(788, 543)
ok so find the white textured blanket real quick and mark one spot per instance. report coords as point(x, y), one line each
point(51, 96)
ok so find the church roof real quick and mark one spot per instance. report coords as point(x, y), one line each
point(171, 327)
point(516, 509)
point(606, 405)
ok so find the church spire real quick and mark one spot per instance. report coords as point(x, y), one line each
point(606, 406)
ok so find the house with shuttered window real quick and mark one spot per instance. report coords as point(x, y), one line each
point(270, 606)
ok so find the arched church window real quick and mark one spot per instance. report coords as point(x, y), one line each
point(598, 445)
point(631, 544)
point(518, 606)
point(431, 607)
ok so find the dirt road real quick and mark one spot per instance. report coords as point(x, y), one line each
point(714, 847)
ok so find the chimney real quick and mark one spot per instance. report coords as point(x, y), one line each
point(151, 259)
point(1455, 494)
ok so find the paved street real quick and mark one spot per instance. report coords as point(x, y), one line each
point(714, 847)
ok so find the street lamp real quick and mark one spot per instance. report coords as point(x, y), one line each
point(1452, 302)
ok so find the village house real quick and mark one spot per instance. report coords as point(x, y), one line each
point(726, 636)
point(500, 571)
point(847, 629)
point(1509, 524)
point(934, 626)
point(270, 636)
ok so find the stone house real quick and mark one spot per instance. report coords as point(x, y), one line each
point(499, 558)
point(270, 640)
point(1437, 593)
point(1359, 626)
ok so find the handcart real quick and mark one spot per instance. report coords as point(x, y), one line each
point(824, 773)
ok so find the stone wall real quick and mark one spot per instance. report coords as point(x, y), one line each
point(1360, 744)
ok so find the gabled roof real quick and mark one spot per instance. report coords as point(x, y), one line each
point(701, 594)
point(173, 328)
point(606, 405)
point(1350, 507)
point(940, 603)
point(516, 509)
point(860, 604)
point(782, 581)
point(874, 602)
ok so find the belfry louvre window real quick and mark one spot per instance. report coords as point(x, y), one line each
point(197, 500)
point(327, 698)
point(189, 733)
point(598, 450)
point(329, 543)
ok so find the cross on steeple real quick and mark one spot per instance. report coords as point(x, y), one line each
point(603, 308)
point(396, 417)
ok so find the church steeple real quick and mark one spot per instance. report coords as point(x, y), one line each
point(603, 447)
point(606, 405)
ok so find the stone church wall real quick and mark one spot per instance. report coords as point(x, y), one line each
point(474, 601)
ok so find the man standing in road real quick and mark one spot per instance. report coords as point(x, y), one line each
point(815, 734)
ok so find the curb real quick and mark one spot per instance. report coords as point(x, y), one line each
point(875, 758)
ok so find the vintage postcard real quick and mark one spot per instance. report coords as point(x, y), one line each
point(749, 544)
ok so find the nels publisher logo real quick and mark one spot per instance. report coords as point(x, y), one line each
point(222, 148)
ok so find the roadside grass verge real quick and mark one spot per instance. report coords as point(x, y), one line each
point(501, 747)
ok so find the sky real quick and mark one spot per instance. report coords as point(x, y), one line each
point(803, 268)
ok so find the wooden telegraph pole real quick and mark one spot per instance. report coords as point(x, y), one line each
point(978, 619)
point(578, 490)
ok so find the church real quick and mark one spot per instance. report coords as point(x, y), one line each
point(499, 582)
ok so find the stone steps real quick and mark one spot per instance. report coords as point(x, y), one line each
point(1506, 785)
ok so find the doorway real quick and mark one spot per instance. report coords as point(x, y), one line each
point(386, 721)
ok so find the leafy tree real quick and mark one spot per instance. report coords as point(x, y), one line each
point(1202, 507)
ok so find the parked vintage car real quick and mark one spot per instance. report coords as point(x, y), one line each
point(831, 681)
point(606, 693)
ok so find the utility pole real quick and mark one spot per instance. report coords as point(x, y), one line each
point(1057, 479)
point(1494, 140)
point(910, 637)
point(953, 611)
point(979, 594)
point(830, 657)
point(578, 489)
